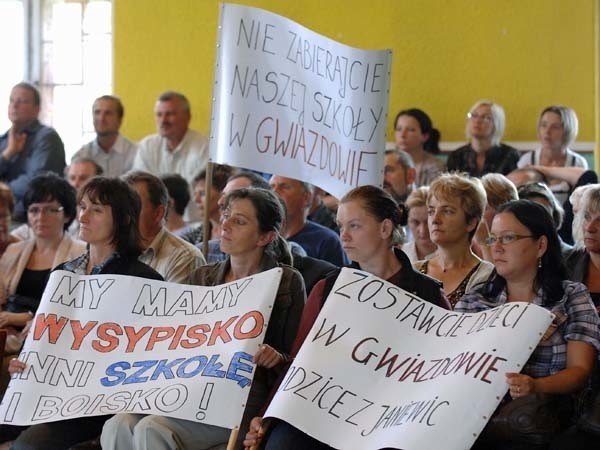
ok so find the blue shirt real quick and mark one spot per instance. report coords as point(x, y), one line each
point(321, 243)
point(43, 152)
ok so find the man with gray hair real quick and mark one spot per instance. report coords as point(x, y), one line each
point(399, 174)
point(318, 241)
point(110, 150)
point(175, 148)
point(169, 255)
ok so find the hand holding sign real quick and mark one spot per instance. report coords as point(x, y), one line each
point(383, 368)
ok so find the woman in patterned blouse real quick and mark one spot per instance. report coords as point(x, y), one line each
point(527, 255)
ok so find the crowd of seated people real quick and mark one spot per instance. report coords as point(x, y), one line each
point(474, 230)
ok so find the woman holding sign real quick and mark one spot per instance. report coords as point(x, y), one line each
point(527, 255)
point(250, 225)
point(108, 214)
point(369, 222)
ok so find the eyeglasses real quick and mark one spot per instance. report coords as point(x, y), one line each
point(35, 210)
point(484, 117)
point(505, 239)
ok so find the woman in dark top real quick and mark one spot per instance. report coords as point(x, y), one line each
point(527, 256)
point(369, 223)
point(415, 134)
point(108, 214)
point(484, 153)
point(24, 267)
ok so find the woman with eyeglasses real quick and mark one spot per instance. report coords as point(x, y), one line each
point(527, 256)
point(414, 133)
point(25, 266)
point(484, 153)
point(557, 129)
point(455, 205)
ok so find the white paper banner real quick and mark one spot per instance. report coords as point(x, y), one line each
point(103, 344)
point(291, 102)
point(382, 368)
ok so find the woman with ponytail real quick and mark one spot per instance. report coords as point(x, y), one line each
point(414, 133)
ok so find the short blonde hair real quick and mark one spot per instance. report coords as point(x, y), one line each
point(498, 189)
point(417, 198)
point(468, 189)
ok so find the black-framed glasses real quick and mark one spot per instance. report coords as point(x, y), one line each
point(35, 210)
point(505, 239)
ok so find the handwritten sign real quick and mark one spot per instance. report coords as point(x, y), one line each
point(291, 102)
point(106, 344)
point(383, 368)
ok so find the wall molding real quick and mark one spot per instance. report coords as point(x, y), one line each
point(523, 146)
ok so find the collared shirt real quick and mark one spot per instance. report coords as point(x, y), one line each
point(172, 257)
point(576, 320)
point(79, 265)
point(43, 152)
point(188, 159)
point(117, 161)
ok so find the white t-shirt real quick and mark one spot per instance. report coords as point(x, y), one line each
point(560, 189)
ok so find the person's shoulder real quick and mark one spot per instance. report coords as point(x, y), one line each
point(16, 248)
point(208, 274)
point(461, 149)
point(508, 148)
point(574, 255)
point(180, 244)
point(86, 151)
point(141, 270)
point(317, 228)
point(575, 159)
point(574, 288)
point(196, 137)
point(149, 141)
point(47, 134)
point(527, 159)
point(485, 267)
point(125, 144)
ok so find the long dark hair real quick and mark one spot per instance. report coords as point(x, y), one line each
point(432, 144)
point(125, 204)
point(270, 215)
point(552, 271)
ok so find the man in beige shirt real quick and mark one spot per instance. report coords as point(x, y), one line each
point(169, 255)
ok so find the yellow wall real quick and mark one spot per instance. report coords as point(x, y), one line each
point(446, 55)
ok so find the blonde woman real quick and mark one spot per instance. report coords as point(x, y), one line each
point(455, 206)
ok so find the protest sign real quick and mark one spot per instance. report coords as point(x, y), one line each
point(383, 368)
point(291, 102)
point(104, 344)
